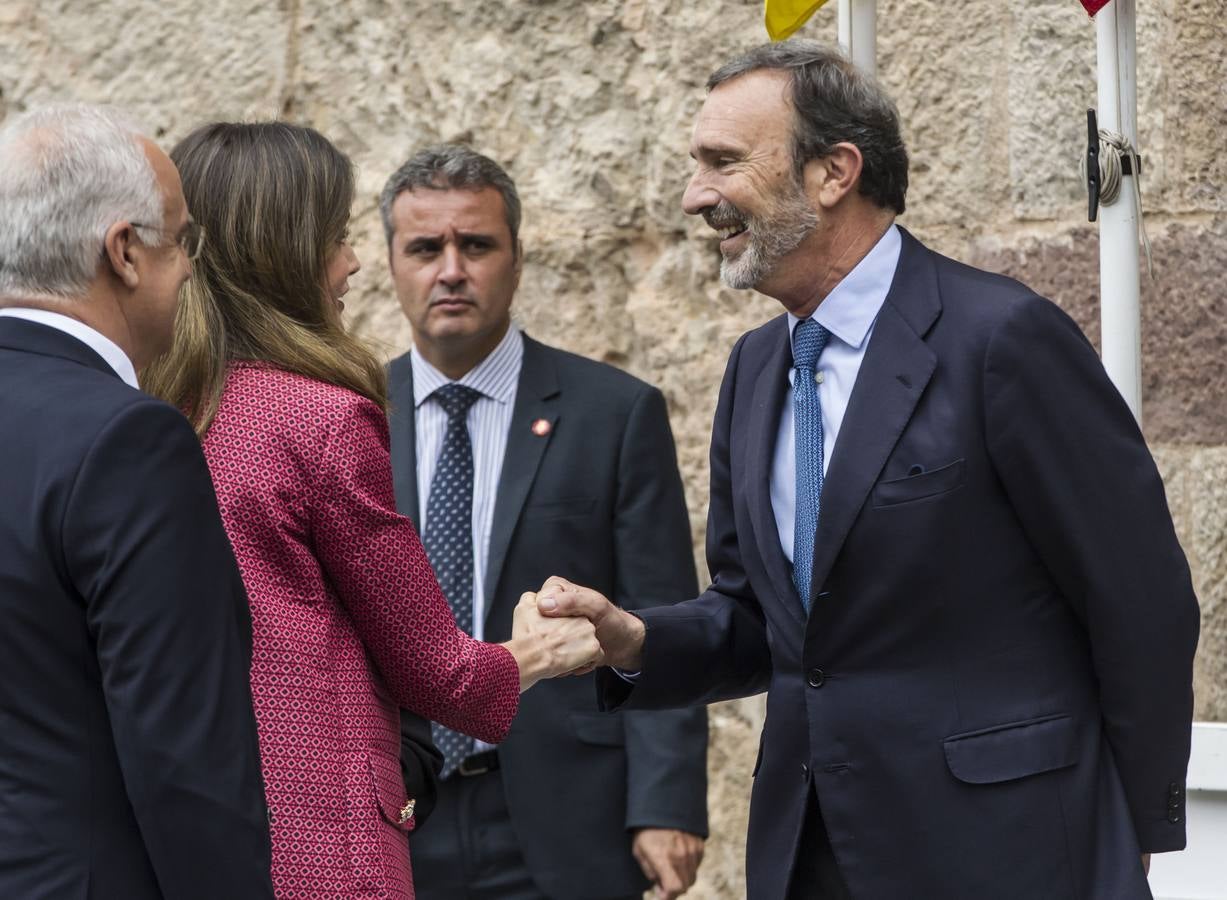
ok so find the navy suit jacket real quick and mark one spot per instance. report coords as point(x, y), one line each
point(992, 695)
point(597, 499)
point(128, 758)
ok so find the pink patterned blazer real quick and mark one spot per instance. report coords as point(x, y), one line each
point(349, 624)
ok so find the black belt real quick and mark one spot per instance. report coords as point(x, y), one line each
point(478, 764)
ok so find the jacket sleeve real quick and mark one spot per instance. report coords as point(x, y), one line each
point(1089, 496)
point(666, 750)
point(713, 647)
point(376, 563)
point(166, 611)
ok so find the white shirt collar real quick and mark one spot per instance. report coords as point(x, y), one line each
point(849, 311)
point(495, 376)
point(95, 340)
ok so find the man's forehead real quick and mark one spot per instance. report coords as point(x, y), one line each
point(459, 208)
point(744, 109)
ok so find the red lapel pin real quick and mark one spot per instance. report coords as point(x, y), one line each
point(541, 427)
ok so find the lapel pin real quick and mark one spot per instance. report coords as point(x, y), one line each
point(541, 427)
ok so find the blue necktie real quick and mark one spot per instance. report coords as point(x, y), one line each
point(448, 537)
point(808, 339)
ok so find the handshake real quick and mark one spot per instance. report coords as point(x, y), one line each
point(565, 629)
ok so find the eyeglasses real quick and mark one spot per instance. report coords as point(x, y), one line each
point(190, 237)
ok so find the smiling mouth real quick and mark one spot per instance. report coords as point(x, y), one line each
point(729, 231)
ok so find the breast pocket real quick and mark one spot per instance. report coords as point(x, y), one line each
point(921, 486)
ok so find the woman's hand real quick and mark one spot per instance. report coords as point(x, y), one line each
point(547, 648)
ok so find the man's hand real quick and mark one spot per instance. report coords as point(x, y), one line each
point(620, 633)
point(669, 858)
point(547, 648)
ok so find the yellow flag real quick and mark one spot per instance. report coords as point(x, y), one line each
point(783, 17)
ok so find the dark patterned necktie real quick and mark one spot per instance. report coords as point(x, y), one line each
point(448, 537)
point(808, 340)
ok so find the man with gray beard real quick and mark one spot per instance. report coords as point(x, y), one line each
point(936, 539)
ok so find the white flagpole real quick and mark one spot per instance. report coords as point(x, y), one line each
point(1119, 287)
point(858, 32)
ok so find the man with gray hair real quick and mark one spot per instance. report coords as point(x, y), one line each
point(515, 460)
point(128, 764)
point(937, 540)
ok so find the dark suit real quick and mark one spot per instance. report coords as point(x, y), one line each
point(128, 758)
point(599, 500)
point(992, 695)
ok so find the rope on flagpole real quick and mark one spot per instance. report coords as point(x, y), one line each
point(1117, 158)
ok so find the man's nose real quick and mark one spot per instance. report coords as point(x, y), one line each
point(451, 270)
point(698, 195)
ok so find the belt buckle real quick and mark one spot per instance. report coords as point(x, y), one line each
point(468, 770)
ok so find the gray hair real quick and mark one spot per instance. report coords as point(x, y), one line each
point(448, 167)
point(833, 102)
point(67, 174)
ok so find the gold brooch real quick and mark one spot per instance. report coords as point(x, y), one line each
point(406, 811)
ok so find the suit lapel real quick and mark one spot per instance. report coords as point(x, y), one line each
point(894, 373)
point(536, 399)
point(402, 427)
point(770, 391)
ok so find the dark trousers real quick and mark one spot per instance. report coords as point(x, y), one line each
point(468, 850)
point(815, 875)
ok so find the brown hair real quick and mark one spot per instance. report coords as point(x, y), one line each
point(834, 101)
point(274, 200)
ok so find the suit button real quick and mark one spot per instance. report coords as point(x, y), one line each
point(1174, 818)
point(804, 771)
point(1173, 790)
point(816, 678)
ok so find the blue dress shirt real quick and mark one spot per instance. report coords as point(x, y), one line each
point(848, 312)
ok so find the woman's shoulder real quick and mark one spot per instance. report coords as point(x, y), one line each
point(278, 388)
point(294, 401)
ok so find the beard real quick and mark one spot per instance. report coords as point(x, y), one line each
point(769, 237)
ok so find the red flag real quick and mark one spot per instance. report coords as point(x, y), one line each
point(1094, 6)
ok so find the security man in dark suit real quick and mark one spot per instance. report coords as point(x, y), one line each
point(561, 464)
point(936, 537)
point(128, 757)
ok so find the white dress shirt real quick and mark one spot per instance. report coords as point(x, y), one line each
point(848, 312)
point(489, 421)
point(95, 340)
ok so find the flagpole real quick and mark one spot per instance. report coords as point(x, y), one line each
point(1119, 282)
point(858, 33)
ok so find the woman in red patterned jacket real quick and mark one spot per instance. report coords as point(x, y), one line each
point(348, 621)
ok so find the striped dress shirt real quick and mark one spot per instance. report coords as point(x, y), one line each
point(496, 378)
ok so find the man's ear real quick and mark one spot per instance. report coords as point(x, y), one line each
point(120, 248)
point(519, 261)
point(832, 177)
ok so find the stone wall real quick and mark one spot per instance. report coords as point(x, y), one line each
point(589, 104)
